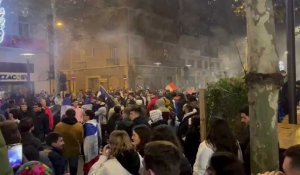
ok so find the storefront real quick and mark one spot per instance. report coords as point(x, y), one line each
point(13, 78)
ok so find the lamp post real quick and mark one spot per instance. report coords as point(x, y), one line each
point(28, 56)
point(291, 54)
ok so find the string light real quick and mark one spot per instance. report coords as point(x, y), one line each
point(2, 22)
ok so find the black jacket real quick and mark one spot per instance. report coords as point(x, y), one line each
point(31, 146)
point(189, 135)
point(140, 121)
point(58, 161)
point(112, 122)
point(130, 160)
point(41, 125)
point(185, 166)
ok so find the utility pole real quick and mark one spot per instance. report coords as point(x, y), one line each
point(291, 55)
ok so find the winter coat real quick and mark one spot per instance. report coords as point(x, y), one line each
point(158, 123)
point(125, 125)
point(57, 160)
point(127, 163)
point(112, 122)
point(41, 125)
point(139, 121)
point(204, 154)
point(49, 114)
point(189, 135)
point(72, 132)
point(31, 146)
point(184, 125)
point(185, 166)
point(244, 140)
point(152, 104)
point(92, 140)
point(5, 167)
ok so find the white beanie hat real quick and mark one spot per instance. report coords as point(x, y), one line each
point(155, 115)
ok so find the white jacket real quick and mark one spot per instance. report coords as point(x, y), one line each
point(205, 152)
point(105, 166)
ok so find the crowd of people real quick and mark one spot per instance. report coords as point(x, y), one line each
point(125, 133)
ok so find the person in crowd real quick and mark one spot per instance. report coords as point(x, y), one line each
point(31, 144)
point(58, 100)
point(66, 104)
point(92, 140)
point(119, 157)
point(244, 138)
point(188, 132)
point(56, 144)
point(141, 135)
point(101, 113)
point(78, 111)
point(153, 100)
point(116, 117)
point(2, 118)
point(165, 133)
point(10, 132)
point(14, 115)
point(189, 114)
point(125, 124)
point(136, 116)
point(225, 163)
point(130, 100)
point(291, 163)
point(48, 113)
point(156, 118)
point(25, 111)
point(219, 138)
point(95, 104)
point(34, 168)
point(72, 132)
point(179, 101)
point(5, 167)
point(161, 158)
point(41, 122)
point(161, 105)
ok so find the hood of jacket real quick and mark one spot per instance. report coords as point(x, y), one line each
point(130, 160)
point(69, 120)
point(190, 114)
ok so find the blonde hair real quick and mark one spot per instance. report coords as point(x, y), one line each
point(120, 142)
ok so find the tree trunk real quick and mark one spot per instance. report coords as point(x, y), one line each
point(263, 82)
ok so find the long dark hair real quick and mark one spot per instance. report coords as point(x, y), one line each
point(165, 133)
point(221, 137)
point(144, 133)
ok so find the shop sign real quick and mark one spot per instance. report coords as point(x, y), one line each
point(12, 77)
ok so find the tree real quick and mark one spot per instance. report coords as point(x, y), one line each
point(263, 82)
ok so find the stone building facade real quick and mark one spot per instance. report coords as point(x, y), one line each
point(145, 45)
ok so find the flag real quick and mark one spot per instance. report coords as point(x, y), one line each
point(109, 101)
point(171, 87)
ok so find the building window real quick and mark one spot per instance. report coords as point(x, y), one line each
point(206, 65)
point(200, 65)
point(24, 27)
point(113, 57)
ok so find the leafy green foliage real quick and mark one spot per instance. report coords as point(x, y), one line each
point(226, 97)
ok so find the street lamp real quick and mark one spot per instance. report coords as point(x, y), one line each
point(157, 64)
point(28, 56)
